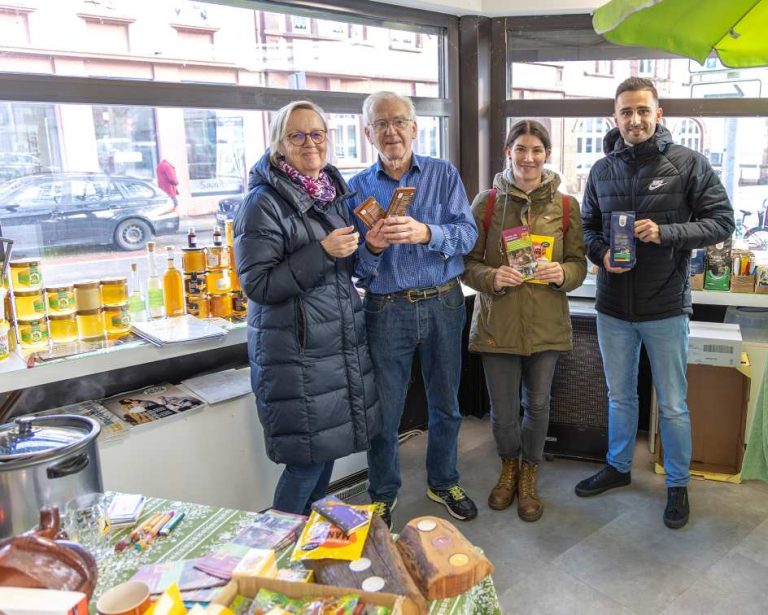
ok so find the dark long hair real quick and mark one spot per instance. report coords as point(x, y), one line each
point(529, 127)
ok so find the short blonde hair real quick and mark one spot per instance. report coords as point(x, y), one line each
point(280, 119)
point(382, 96)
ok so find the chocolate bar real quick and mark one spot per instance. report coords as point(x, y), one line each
point(400, 201)
point(370, 212)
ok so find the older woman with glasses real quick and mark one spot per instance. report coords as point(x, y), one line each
point(520, 325)
point(310, 368)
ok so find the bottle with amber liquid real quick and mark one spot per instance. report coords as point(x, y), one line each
point(173, 287)
point(154, 285)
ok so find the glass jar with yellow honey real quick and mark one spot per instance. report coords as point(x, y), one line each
point(218, 257)
point(88, 295)
point(33, 332)
point(62, 328)
point(220, 305)
point(117, 320)
point(193, 260)
point(239, 304)
point(25, 274)
point(217, 282)
point(90, 324)
point(114, 291)
point(197, 305)
point(60, 299)
point(29, 304)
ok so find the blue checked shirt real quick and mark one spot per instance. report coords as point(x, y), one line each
point(441, 203)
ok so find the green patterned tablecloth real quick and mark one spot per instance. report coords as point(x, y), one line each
point(204, 528)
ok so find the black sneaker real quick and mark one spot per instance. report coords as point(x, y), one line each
point(455, 500)
point(677, 511)
point(384, 510)
point(607, 478)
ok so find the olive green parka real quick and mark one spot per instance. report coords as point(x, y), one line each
point(529, 318)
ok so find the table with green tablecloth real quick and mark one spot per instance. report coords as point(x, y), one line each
point(205, 528)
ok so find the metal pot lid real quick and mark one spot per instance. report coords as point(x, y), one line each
point(28, 436)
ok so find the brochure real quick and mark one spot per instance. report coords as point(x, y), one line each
point(160, 577)
point(144, 406)
point(519, 250)
point(112, 427)
point(344, 516)
point(542, 252)
point(220, 386)
point(178, 329)
point(321, 539)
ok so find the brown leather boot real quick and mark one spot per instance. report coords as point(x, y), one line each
point(529, 506)
point(503, 494)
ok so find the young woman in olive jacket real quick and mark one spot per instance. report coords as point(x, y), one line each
point(521, 327)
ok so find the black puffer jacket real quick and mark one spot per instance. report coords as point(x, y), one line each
point(310, 367)
point(676, 188)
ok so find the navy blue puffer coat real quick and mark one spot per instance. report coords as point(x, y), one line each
point(310, 367)
point(677, 189)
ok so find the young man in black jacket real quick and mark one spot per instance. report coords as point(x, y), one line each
point(679, 204)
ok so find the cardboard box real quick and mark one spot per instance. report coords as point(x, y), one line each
point(717, 403)
point(250, 587)
point(29, 601)
point(714, 343)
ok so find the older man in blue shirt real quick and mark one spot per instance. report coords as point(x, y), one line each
point(409, 266)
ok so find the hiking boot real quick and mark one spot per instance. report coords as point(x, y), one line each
point(455, 500)
point(529, 506)
point(384, 510)
point(607, 478)
point(503, 494)
point(677, 511)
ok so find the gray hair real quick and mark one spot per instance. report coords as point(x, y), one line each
point(280, 119)
point(385, 96)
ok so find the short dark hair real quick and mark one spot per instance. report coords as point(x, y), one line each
point(636, 84)
point(528, 127)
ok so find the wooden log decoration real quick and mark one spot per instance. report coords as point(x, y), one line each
point(440, 559)
point(380, 568)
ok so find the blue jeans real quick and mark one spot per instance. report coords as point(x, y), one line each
point(300, 485)
point(666, 342)
point(397, 329)
point(503, 374)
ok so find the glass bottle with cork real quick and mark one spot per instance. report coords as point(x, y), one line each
point(173, 287)
point(137, 303)
point(155, 303)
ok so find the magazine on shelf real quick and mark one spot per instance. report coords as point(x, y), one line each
point(151, 404)
point(112, 426)
point(220, 386)
point(176, 330)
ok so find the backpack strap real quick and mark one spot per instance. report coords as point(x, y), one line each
point(566, 213)
point(489, 210)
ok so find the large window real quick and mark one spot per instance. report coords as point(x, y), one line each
point(215, 152)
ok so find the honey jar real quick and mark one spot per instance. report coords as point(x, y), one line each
point(198, 305)
point(194, 284)
point(218, 282)
point(239, 304)
point(117, 320)
point(114, 291)
point(29, 304)
point(234, 280)
point(193, 260)
point(221, 305)
point(60, 299)
point(62, 327)
point(88, 295)
point(33, 332)
point(25, 274)
point(218, 257)
point(90, 324)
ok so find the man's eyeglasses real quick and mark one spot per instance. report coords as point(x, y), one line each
point(399, 123)
point(300, 138)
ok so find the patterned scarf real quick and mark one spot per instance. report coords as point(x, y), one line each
point(321, 189)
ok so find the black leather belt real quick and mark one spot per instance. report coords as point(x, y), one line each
point(419, 294)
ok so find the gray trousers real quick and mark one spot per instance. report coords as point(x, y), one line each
point(503, 375)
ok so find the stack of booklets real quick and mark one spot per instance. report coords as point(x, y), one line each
point(194, 584)
point(272, 530)
point(125, 509)
point(145, 406)
point(177, 330)
point(112, 426)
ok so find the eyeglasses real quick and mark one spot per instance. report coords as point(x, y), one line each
point(300, 138)
point(399, 123)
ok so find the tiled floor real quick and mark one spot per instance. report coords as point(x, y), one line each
point(610, 553)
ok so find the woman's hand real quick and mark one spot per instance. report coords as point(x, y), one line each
point(505, 277)
point(341, 242)
point(551, 273)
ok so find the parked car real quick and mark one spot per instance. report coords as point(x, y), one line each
point(60, 209)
